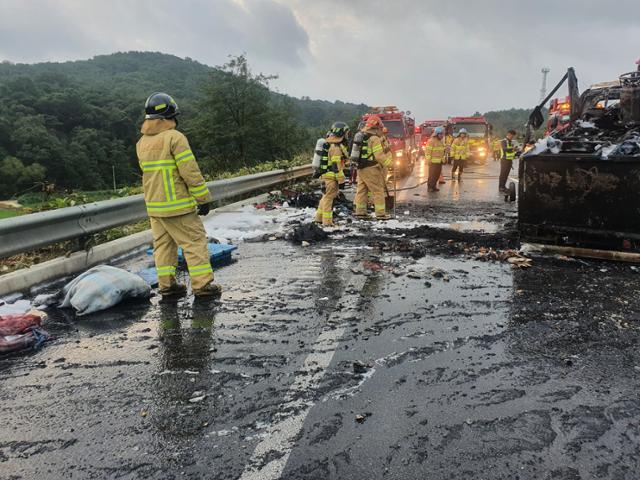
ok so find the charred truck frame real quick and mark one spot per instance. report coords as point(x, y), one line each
point(580, 187)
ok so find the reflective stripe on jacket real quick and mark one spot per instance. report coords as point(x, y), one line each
point(460, 148)
point(171, 180)
point(509, 149)
point(335, 160)
point(434, 150)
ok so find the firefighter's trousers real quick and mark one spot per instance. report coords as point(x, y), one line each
point(458, 164)
point(505, 168)
point(324, 214)
point(184, 231)
point(370, 179)
point(435, 169)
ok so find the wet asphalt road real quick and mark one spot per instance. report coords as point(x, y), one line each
point(348, 359)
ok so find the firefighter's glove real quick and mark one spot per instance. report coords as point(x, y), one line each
point(203, 209)
point(342, 185)
point(317, 173)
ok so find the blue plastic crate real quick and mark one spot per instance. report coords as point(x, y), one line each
point(219, 254)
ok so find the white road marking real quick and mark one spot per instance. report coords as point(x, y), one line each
point(280, 435)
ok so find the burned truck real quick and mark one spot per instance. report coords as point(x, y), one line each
point(580, 188)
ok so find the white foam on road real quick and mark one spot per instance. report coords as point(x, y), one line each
point(250, 223)
point(19, 306)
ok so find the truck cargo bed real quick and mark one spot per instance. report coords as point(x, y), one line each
point(578, 200)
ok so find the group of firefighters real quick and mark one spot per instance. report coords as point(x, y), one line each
point(371, 155)
point(175, 191)
point(373, 160)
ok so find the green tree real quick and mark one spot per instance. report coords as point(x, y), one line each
point(15, 176)
point(236, 115)
point(79, 121)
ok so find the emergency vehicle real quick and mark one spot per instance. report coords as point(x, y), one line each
point(478, 131)
point(559, 115)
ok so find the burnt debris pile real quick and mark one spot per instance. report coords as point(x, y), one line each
point(609, 124)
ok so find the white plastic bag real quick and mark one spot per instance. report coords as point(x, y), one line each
point(102, 287)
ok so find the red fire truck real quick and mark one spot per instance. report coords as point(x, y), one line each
point(400, 129)
point(559, 115)
point(478, 130)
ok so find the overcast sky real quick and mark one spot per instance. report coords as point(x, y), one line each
point(434, 58)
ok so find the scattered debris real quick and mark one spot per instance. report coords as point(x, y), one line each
point(359, 367)
point(361, 418)
point(372, 265)
point(437, 273)
point(14, 306)
point(22, 331)
point(308, 232)
point(519, 261)
point(197, 397)
point(99, 288)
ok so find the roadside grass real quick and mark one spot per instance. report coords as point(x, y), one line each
point(40, 201)
point(9, 212)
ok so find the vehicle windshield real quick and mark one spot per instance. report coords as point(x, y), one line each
point(396, 129)
point(474, 130)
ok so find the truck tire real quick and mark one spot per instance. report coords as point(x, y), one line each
point(511, 196)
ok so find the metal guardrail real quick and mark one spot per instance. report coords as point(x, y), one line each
point(36, 230)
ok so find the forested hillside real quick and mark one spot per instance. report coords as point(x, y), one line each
point(72, 124)
point(515, 118)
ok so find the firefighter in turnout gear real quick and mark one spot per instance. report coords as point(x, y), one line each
point(460, 153)
point(373, 160)
point(386, 146)
point(332, 167)
point(434, 154)
point(508, 151)
point(175, 194)
point(448, 142)
point(497, 149)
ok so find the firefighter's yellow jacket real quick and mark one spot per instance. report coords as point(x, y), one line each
point(448, 142)
point(460, 148)
point(375, 150)
point(171, 178)
point(434, 150)
point(336, 157)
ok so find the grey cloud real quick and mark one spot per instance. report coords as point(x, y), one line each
point(446, 58)
point(207, 30)
point(432, 57)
